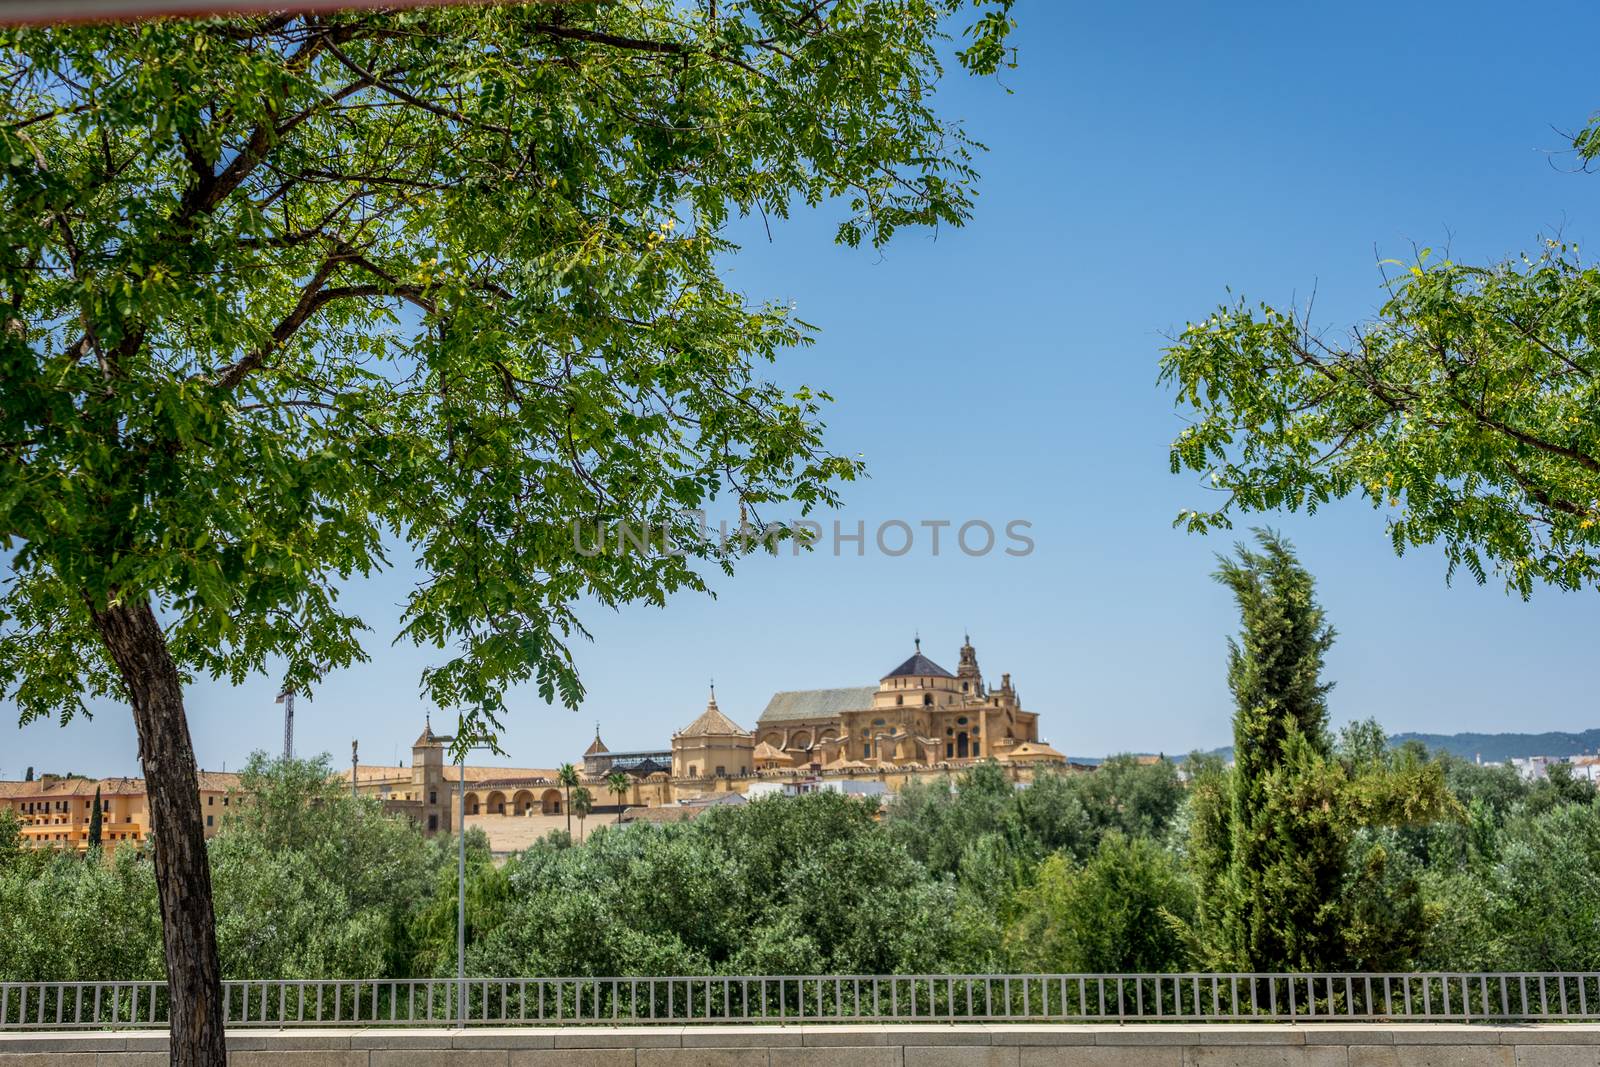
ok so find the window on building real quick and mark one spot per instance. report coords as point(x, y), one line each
point(949, 750)
point(927, 700)
point(224, 801)
point(976, 750)
point(433, 796)
point(210, 801)
point(433, 822)
point(210, 820)
point(899, 701)
point(722, 772)
point(691, 770)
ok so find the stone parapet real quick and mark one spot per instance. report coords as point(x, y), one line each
point(867, 1045)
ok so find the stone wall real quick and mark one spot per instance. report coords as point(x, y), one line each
point(1259, 1045)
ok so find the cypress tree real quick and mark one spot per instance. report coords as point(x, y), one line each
point(1270, 841)
point(94, 821)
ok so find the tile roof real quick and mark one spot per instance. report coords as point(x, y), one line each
point(767, 752)
point(919, 666)
point(816, 703)
point(1032, 750)
point(712, 723)
point(57, 788)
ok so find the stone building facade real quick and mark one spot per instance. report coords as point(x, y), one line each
point(918, 715)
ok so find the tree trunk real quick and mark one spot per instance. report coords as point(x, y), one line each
point(133, 636)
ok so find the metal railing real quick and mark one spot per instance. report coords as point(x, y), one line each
point(1033, 998)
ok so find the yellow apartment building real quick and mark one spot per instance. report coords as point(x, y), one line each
point(55, 811)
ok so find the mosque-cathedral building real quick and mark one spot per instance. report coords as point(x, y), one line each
point(919, 721)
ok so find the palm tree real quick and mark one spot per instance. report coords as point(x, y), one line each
point(582, 803)
point(567, 775)
point(617, 784)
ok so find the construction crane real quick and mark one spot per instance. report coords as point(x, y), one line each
point(286, 698)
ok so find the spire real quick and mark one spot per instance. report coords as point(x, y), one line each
point(968, 670)
point(712, 703)
point(917, 640)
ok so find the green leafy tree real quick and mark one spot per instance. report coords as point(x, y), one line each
point(65, 920)
point(312, 882)
point(276, 289)
point(94, 822)
point(1468, 410)
point(427, 946)
point(10, 837)
point(1124, 795)
point(1531, 903)
point(1112, 915)
point(618, 784)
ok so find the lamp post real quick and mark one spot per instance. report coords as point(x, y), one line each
point(461, 878)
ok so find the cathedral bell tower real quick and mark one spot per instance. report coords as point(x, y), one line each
point(967, 671)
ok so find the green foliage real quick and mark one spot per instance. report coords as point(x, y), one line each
point(567, 775)
point(1265, 849)
point(10, 838)
point(1271, 839)
point(582, 805)
point(311, 882)
point(1468, 410)
point(1114, 914)
point(285, 295)
point(1532, 902)
point(940, 824)
point(778, 886)
point(1386, 917)
point(1443, 864)
point(62, 919)
point(617, 784)
point(426, 947)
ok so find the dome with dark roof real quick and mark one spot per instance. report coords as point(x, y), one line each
point(919, 666)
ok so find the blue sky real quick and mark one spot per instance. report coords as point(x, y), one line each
point(1148, 156)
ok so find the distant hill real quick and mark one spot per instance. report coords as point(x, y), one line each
point(1491, 748)
point(1497, 748)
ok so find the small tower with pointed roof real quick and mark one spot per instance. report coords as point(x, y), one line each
point(967, 670)
point(596, 758)
point(429, 788)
